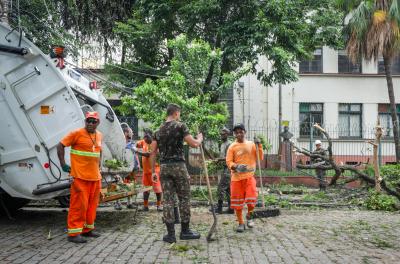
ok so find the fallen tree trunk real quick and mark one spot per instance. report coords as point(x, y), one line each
point(329, 163)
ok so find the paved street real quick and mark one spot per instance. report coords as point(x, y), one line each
point(297, 236)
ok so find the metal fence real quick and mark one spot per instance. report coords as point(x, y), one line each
point(346, 150)
point(346, 147)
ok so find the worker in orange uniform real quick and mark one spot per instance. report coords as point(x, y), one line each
point(241, 158)
point(85, 151)
point(144, 150)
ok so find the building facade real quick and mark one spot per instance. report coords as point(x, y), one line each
point(346, 98)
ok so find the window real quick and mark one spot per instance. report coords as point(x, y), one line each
point(314, 65)
point(310, 113)
point(345, 65)
point(385, 118)
point(350, 120)
point(395, 65)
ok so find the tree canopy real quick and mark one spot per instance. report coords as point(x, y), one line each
point(285, 32)
point(70, 22)
point(373, 31)
point(183, 85)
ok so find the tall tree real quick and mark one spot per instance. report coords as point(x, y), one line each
point(373, 31)
point(283, 31)
point(183, 85)
point(70, 22)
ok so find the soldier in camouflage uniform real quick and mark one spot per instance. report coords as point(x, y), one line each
point(174, 175)
point(224, 185)
point(320, 173)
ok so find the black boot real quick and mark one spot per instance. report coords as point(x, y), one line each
point(76, 239)
point(216, 207)
point(170, 236)
point(91, 234)
point(177, 218)
point(187, 234)
point(229, 210)
point(219, 207)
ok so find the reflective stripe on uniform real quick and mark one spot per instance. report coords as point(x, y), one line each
point(85, 153)
point(75, 230)
point(89, 226)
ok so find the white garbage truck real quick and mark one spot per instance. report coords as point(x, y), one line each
point(41, 100)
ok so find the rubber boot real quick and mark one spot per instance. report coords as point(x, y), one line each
point(176, 213)
point(170, 236)
point(187, 234)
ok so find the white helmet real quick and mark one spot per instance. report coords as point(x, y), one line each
point(318, 142)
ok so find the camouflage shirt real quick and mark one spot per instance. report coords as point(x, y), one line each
point(224, 148)
point(170, 141)
point(321, 152)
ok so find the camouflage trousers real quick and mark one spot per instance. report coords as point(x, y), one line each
point(175, 181)
point(321, 177)
point(224, 185)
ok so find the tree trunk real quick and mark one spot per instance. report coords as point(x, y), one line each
point(395, 121)
point(375, 144)
point(106, 47)
point(123, 55)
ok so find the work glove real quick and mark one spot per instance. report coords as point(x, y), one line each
point(154, 177)
point(66, 168)
point(241, 168)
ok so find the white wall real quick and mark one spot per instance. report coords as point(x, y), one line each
point(330, 88)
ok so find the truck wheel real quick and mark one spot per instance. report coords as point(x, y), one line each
point(12, 203)
point(63, 201)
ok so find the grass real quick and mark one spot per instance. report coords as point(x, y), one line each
point(179, 248)
point(200, 193)
point(381, 243)
point(315, 197)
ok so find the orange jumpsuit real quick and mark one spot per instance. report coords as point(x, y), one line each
point(243, 184)
point(147, 179)
point(85, 188)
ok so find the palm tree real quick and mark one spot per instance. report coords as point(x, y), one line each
point(373, 31)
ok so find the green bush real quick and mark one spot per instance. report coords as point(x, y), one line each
point(379, 201)
point(391, 174)
point(215, 167)
point(270, 199)
point(284, 204)
point(200, 193)
point(264, 142)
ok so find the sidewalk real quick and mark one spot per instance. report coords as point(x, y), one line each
point(297, 236)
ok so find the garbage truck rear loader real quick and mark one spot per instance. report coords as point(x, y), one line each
point(41, 100)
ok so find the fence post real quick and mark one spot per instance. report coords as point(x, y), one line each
point(311, 134)
point(380, 154)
